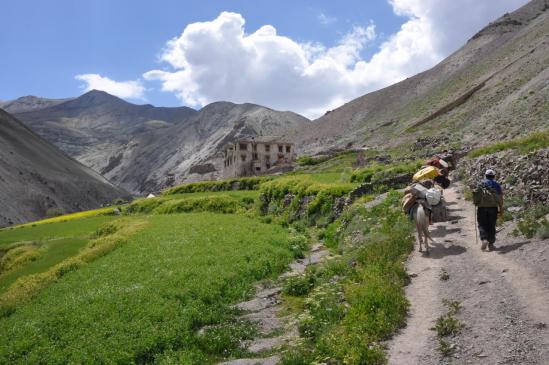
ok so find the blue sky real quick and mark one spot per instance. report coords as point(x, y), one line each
point(46, 44)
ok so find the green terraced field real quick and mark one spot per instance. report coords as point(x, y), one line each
point(146, 300)
point(73, 228)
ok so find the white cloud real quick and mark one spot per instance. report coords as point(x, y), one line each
point(218, 60)
point(326, 19)
point(122, 89)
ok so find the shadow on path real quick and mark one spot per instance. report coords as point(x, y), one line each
point(438, 250)
point(441, 231)
point(508, 248)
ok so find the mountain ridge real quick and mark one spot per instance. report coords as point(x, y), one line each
point(503, 56)
point(111, 136)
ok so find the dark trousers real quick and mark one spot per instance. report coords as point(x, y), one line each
point(487, 218)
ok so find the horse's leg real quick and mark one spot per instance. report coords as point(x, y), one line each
point(419, 237)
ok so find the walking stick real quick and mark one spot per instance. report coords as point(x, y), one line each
point(475, 224)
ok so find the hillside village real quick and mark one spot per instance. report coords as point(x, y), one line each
point(238, 234)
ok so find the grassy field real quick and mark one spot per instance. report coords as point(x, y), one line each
point(45, 245)
point(42, 232)
point(145, 301)
point(156, 283)
point(524, 145)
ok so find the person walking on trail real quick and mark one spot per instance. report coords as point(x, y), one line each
point(488, 197)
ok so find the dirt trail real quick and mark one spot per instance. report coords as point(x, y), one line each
point(504, 296)
point(264, 308)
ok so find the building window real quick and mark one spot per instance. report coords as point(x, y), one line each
point(254, 147)
point(267, 148)
point(254, 156)
point(243, 146)
point(288, 149)
point(280, 148)
point(243, 157)
point(268, 165)
point(257, 168)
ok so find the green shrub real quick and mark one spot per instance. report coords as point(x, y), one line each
point(218, 204)
point(144, 205)
point(533, 220)
point(377, 173)
point(54, 212)
point(243, 183)
point(524, 145)
point(311, 161)
point(298, 245)
point(106, 229)
point(299, 285)
point(320, 198)
point(225, 339)
point(297, 356)
point(206, 203)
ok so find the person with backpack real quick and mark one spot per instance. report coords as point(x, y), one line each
point(488, 197)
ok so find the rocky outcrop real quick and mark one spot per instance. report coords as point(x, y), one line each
point(522, 177)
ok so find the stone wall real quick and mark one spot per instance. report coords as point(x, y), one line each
point(524, 177)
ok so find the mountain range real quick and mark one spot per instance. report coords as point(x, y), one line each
point(143, 148)
point(495, 87)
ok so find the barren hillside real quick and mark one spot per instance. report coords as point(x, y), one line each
point(35, 177)
point(494, 87)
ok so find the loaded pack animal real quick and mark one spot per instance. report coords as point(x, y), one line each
point(421, 219)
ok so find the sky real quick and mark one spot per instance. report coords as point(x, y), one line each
point(305, 56)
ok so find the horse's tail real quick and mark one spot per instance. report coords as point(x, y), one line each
point(423, 222)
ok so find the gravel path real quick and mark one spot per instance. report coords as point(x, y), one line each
point(504, 296)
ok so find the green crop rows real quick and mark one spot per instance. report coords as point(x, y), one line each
point(147, 299)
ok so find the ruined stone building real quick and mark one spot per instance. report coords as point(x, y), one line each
point(256, 156)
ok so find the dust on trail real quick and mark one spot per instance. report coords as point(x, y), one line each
point(504, 296)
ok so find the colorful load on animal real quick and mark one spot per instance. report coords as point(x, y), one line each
point(430, 196)
point(426, 173)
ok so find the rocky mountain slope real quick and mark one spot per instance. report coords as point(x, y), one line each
point(144, 148)
point(35, 177)
point(192, 150)
point(92, 126)
point(29, 103)
point(495, 87)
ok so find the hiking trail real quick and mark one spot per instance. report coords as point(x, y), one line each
point(504, 295)
point(264, 309)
